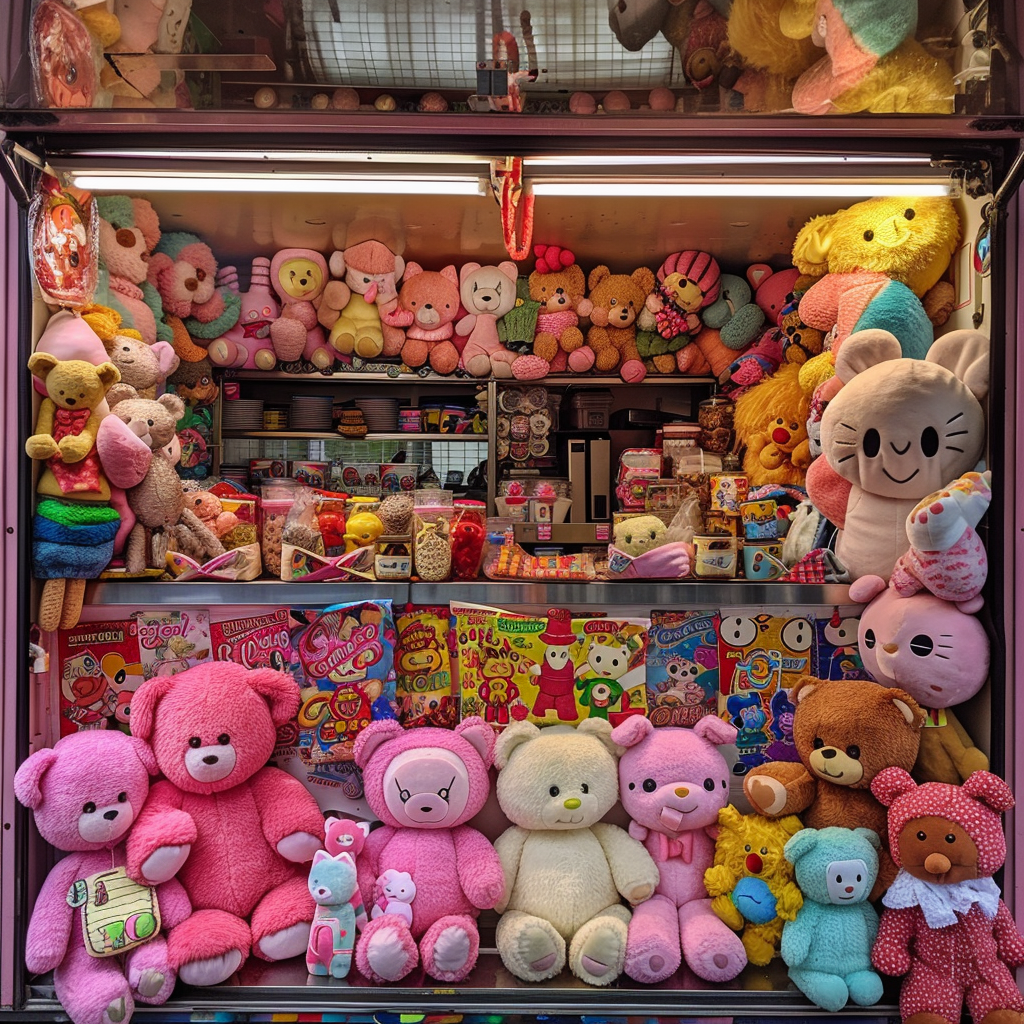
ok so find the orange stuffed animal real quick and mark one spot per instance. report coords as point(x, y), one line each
point(618, 300)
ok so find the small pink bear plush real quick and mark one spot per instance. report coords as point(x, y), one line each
point(424, 785)
point(672, 784)
point(233, 830)
point(87, 791)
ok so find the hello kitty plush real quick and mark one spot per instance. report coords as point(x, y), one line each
point(424, 785)
point(896, 431)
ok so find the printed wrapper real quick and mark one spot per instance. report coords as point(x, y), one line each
point(549, 670)
point(257, 641)
point(100, 669)
point(682, 667)
point(836, 654)
point(761, 657)
point(423, 668)
point(171, 642)
point(64, 242)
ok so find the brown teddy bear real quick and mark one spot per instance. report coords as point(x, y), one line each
point(561, 291)
point(427, 305)
point(845, 731)
point(617, 302)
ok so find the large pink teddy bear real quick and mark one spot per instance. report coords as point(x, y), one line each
point(672, 783)
point(233, 830)
point(424, 785)
point(86, 792)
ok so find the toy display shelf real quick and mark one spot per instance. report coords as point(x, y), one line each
point(598, 593)
point(333, 435)
point(582, 380)
point(281, 987)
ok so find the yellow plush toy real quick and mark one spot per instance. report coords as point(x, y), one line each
point(751, 883)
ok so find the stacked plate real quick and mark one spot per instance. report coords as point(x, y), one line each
point(310, 412)
point(381, 414)
point(243, 414)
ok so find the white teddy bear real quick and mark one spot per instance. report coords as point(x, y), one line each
point(564, 869)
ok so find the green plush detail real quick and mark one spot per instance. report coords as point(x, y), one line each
point(519, 324)
point(151, 297)
point(650, 344)
point(215, 328)
point(117, 210)
point(77, 514)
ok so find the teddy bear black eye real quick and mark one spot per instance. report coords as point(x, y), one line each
point(868, 235)
point(632, 785)
point(930, 442)
point(709, 785)
point(858, 878)
point(839, 879)
point(223, 739)
point(922, 836)
point(122, 797)
point(89, 808)
point(650, 785)
point(853, 751)
point(872, 442)
point(869, 639)
point(584, 788)
point(195, 741)
point(201, 275)
point(747, 848)
point(909, 213)
point(818, 743)
point(764, 851)
point(922, 645)
point(951, 838)
point(554, 791)
point(149, 422)
point(724, 784)
point(125, 348)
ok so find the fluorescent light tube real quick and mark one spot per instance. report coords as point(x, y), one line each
point(683, 160)
point(738, 189)
point(264, 157)
point(142, 181)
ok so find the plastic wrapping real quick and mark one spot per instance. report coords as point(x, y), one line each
point(63, 57)
point(63, 235)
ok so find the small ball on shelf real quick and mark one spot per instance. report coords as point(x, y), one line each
point(615, 102)
point(265, 98)
point(345, 99)
point(582, 103)
point(662, 99)
point(385, 102)
point(432, 103)
point(320, 101)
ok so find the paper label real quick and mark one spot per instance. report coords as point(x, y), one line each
point(117, 913)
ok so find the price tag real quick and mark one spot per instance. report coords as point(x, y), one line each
point(543, 531)
point(601, 532)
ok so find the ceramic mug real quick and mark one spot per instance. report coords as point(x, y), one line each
point(759, 519)
point(716, 556)
point(763, 560)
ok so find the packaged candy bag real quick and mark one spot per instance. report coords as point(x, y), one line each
point(64, 241)
point(63, 58)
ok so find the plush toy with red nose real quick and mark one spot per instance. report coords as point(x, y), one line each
point(945, 926)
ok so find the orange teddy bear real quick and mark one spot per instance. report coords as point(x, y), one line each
point(618, 300)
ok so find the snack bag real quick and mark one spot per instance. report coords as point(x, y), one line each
point(682, 667)
point(63, 57)
point(173, 641)
point(423, 668)
point(63, 237)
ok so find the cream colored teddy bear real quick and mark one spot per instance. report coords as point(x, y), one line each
point(565, 870)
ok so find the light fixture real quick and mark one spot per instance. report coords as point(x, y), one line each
point(739, 189)
point(157, 181)
point(682, 160)
point(264, 157)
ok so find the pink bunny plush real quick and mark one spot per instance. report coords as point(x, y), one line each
point(672, 783)
point(86, 792)
point(424, 785)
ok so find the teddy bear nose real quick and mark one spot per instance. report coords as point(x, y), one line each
point(754, 863)
point(828, 752)
point(125, 238)
point(191, 284)
point(682, 791)
point(890, 648)
point(937, 864)
point(572, 803)
point(71, 401)
point(210, 759)
point(849, 888)
point(110, 815)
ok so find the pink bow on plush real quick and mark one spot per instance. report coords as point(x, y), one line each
point(682, 847)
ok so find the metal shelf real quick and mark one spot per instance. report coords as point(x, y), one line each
point(333, 435)
point(273, 593)
point(359, 377)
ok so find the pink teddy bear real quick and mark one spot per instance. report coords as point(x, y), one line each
point(237, 830)
point(672, 784)
point(424, 785)
point(86, 792)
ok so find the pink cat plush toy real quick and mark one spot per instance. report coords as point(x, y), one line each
point(86, 792)
point(424, 785)
point(672, 783)
point(233, 830)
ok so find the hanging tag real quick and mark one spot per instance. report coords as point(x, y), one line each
point(515, 203)
point(63, 235)
point(117, 913)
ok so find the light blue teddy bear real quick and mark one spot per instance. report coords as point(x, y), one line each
point(828, 947)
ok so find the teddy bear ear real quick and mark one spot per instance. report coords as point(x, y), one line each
point(510, 739)
point(869, 835)
point(467, 269)
point(864, 349)
point(143, 751)
point(479, 735)
point(990, 790)
point(320, 856)
point(144, 704)
point(805, 686)
point(965, 354)
point(337, 263)
point(372, 737)
point(800, 845)
point(729, 817)
point(173, 404)
point(597, 275)
point(28, 780)
point(891, 783)
point(278, 689)
point(632, 731)
point(715, 730)
point(108, 374)
point(601, 730)
point(412, 269)
point(907, 706)
point(41, 363)
point(643, 278)
point(866, 588)
point(158, 263)
point(399, 267)
point(451, 273)
point(509, 269)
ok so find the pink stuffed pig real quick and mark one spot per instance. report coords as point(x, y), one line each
point(936, 651)
point(87, 791)
point(233, 830)
point(424, 785)
point(672, 783)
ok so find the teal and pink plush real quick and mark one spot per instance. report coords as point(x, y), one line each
point(828, 946)
point(212, 729)
point(734, 314)
point(672, 783)
point(424, 785)
point(945, 926)
point(334, 886)
point(86, 793)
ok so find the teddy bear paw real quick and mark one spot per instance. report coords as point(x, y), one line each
point(149, 983)
point(539, 951)
point(601, 956)
point(286, 943)
point(581, 360)
point(768, 795)
point(865, 987)
point(388, 954)
point(212, 971)
point(116, 1012)
point(452, 949)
